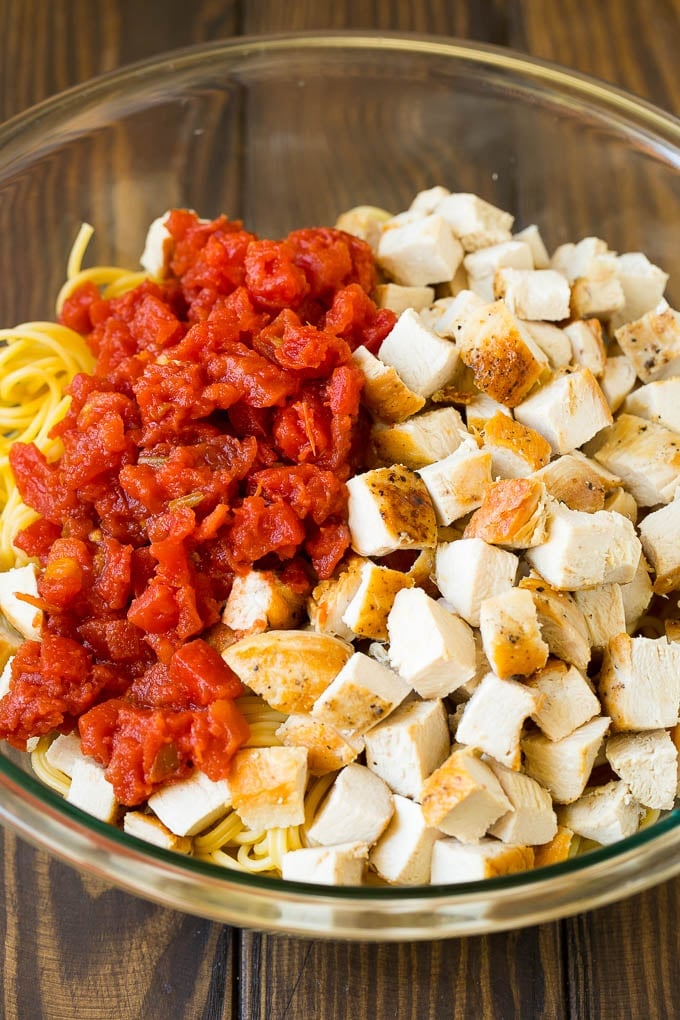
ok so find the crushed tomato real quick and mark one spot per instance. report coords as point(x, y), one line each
point(215, 433)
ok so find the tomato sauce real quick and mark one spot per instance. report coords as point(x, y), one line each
point(215, 433)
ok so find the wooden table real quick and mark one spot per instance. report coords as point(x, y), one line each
point(75, 949)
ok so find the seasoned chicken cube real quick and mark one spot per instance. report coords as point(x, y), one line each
point(462, 798)
point(408, 746)
point(567, 411)
point(91, 791)
point(513, 513)
point(452, 861)
point(568, 700)
point(531, 819)
point(583, 550)
point(21, 615)
point(540, 294)
point(494, 716)
point(480, 409)
point(367, 612)
point(604, 814)
point(516, 450)
point(363, 693)
point(155, 256)
point(327, 749)
point(475, 222)
point(151, 830)
point(604, 612)
point(457, 484)
point(343, 864)
point(646, 456)
point(581, 258)
point(563, 766)
point(505, 360)
point(577, 481)
point(511, 635)
point(659, 533)
point(421, 440)
point(587, 345)
point(403, 853)
point(618, 379)
point(446, 314)
point(389, 509)
point(470, 570)
point(259, 601)
point(653, 343)
point(330, 599)
point(191, 805)
point(289, 669)
point(599, 294)
point(267, 786)
point(637, 595)
point(364, 221)
point(64, 752)
point(648, 764)
point(552, 340)
point(531, 235)
point(431, 648)
point(357, 809)
point(398, 299)
point(643, 286)
point(657, 401)
point(420, 252)
point(385, 394)
point(558, 849)
point(424, 360)
point(481, 265)
point(621, 502)
point(639, 684)
point(562, 623)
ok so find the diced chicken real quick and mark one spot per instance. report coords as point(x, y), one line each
point(643, 286)
point(452, 861)
point(511, 635)
point(267, 786)
point(289, 669)
point(363, 693)
point(540, 294)
point(403, 854)
point(343, 864)
point(425, 202)
point(21, 615)
point(563, 766)
point(431, 648)
point(580, 259)
point(579, 482)
point(621, 502)
point(599, 294)
point(408, 746)
point(367, 612)
point(657, 401)
point(192, 805)
point(151, 830)
point(587, 345)
point(154, 258)
point(389, 509)
point(420, 252)
point(516, 450)
point(618, 379)
point(357, 809)
point(646, 456)
point(327, 749)
point(480, 409)
point(562, 623)
point(481, 265)
point(568, 410)
point(552, 340)
point(462, 798)
point(470, 570)
point(659, 532)
point(513, 514)
point(494, 717)
point(604, 612)
point(637, 595)
point(531, 235)
point(475, 222)
point(259, 601)
point(64, 752)
point(421, 440)
point(457, 484)
point(583, 550)
point(398, 299)
point(504, 358)
point(329, 600)
point(648, 764)
point(446, 315)
point(653, 343)
point(91, 791)
point(531, 819)
point(385, 394)
point(558, 849)
point(639, 684)
point(604, 814)
point(364, 221)
point(424, 360)
point(568, 700)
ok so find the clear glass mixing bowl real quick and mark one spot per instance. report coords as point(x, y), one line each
point(285, 132)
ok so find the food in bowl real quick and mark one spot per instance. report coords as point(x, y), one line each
point(341, 575)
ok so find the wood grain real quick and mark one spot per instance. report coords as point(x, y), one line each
point(72, 948)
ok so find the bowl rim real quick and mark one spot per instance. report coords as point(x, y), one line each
point(643, 118)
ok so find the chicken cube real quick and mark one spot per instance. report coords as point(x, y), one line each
point(475, 222)
point(552, 340)
point(421, 440)
point(457, 484)
point(568, 700)
point(419, 252)
point(398, 298)
point(424, 360)
point(151, 830)
point(481, 265)
point(587, 345)
point(363, 693)
point(357, 809)
point(637, 595)
point(329, 600)
point(403, 854)
point(425, 202)
point(511, 635)
point(259, 601)
point(558, 849)
point(366, 613)
point(267, 786)
point(618, 379)
point(431, 648)
point(91, 791)
point(657, 401)
point(643, 285)
point(646, 457)
point(408, 746)
point(540, 294)
point(599, 294)
point(470, 570)
point(604, 814)
point(652, 343)
point(639, 683)
point(621, 502)
point(562, 623)
point(452, 861)
point(494, 716)
point(389, 509)
point(501, 353)
point(567, 411)
point(191, 805)
point(604, 612)
point(581, 483)
point(462, 798)
point(564, 766)
point(513, 514)
point(648, 764)
point(343, 864)
point(64, 751)
point(157, 247)
point(516, 450)
point(480, 409)
point(327, 749)
point(580, 259)
point(531, 819)
point(531, 235)
point(659, 535)
point(364, 221)
point(385, 394)
point(24, 617)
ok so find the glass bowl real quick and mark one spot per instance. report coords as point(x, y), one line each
point(285, 132)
